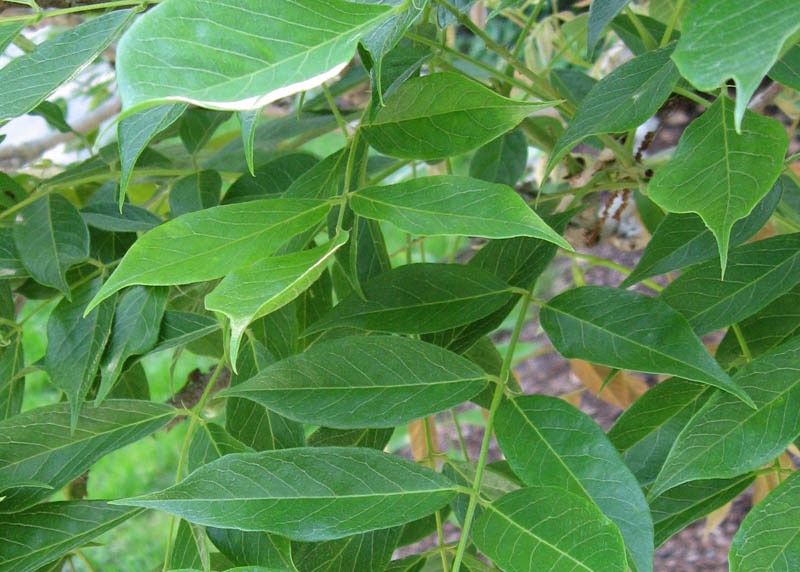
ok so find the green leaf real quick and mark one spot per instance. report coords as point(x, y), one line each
point(548, 528)
point(136, 325)
point(10, 30)
point(75, 345)
point(247, 121)
point(259, 288)
point(787, 69)
point(12, 384)
point(679, 507)
point(253, 548)
point(624, 99)
point(134, 134)
point(53, 115)
point(502, 160)
point(419, 298)
point(184, 552)
point(367, 551)
point(208, 244)
point(10, 262)
point(372, 438)
point(108, 216)
point(719, 174)
point(451, 205)
point(271, 178)
point(358, 382)
point(759, 273)
point(601, 12)
point(209, 443)
point(606, 326)
point(29, 79)
point(195, 192)
point(305, 494)
point(197, 127)
point(231, 56)
point(180, 328)
point(443, 114)
point(51, 236)
point(681, 240)
point(645, 432)
point(769, 537)
point(756, 27)
point(537, 435)
point(38, 445)
point(726, 438)
point(43, 533)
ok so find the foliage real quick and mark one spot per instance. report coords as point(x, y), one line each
point(213, 227)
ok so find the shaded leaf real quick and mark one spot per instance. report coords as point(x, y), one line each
point(367, 551)
point(209, 443)
point(787, 69)
point(12, 385)
point(549, 529)
point(247, 121)
point(195, 192)
point(601, 12)
point(245, 548)
point(271, 178)
point(305, 494)
point(108, 216)
point(719, 174)
point(37, 445)
point(175, 52)
point(330, 437)
point(180, 328)
point(359, 382)
point(626, 330)
point(184, 552)
point(197, 127)
point(502, 160)
point(443, 114)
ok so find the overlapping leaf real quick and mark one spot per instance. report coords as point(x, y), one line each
point(601, 12)
point(502, 160)
point(253, 548)
point(110, 217)
point(359, 382)
point(195, 192)
point(304, 494)
point(229, 55)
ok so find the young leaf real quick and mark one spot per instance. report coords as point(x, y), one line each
point(29, 79)
point(418, 299)
point(32, 538)
point(756, 27)
point(624, 99)
point(175, 52)
point(38, 445)
point(606, 326)
point(136, 325)
point(112, 218)
point(759, 273)
point(134, 134)
point(265, 285)
point(721, 174)
point(601, 12)
point(441, 115)
point(451, 205)
point(195, 192)
point(549, 529)
point(502, 160)
point(208, 244)
point(359, 382)
point(768, 536)
point(51, 236)
point(726, 438)
point(537, 435)
point(75, 345)
point(305, 494)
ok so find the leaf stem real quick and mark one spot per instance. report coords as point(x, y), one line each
point(671, 24)
point(85, 8)
point(742, 342)
point(335, 110)
point(597, 261)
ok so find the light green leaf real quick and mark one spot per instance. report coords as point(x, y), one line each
point(195, 192)
point(136, 325)
point(358, 382)
point(305, 494)
point(719, 174)
point(451, 205)
point(758, 28)
point(134, 134)
point(29, 79)
point(769, 537)
point(230, 55)
point(419, 298)
point(208, 244)
point(726, 438)
point(247, 121)
point(548, 528)
point(51, 236)
point(38, 445)
point(75, 345)
point(265, 285)
point(108, 216)
point(606, 326)
point(441, 115)
point(502, 160)
point(537, 436)
point(601, 12)
point(759, 273)
point(624, 99)
point(32, 538)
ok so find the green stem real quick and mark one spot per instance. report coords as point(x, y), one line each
point(431, 460)
point(671, 24)
point(597, 261)
point(461, 441)
point(523, 35)
point(692, 96)
point(86, 8)
point(742, 342)
point(335, 110)
point(648, 40)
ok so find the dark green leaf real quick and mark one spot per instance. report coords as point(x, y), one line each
point(179, 328)
point(184, 552)
point(441, 115)
point(549, 529)
point(537, 435)
point(108, 216)
point(12, 384)
point(195, 192)
point(372, 438)
point(787, 69)
point(51, 236)
point(197, 126)
point(601, 12)
point(43, 533)
point(10, 262)
point(53, 115)
point(253, 548)
point(271, 178)
point(38, 445)
point(493, 486)
point(132, 384)
point(606, 326)
point(359, 382)
point(209, 443)
point(368, 551)
point(10, 30)
point(502, 160)
point(305, 494)
point(759, 273)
